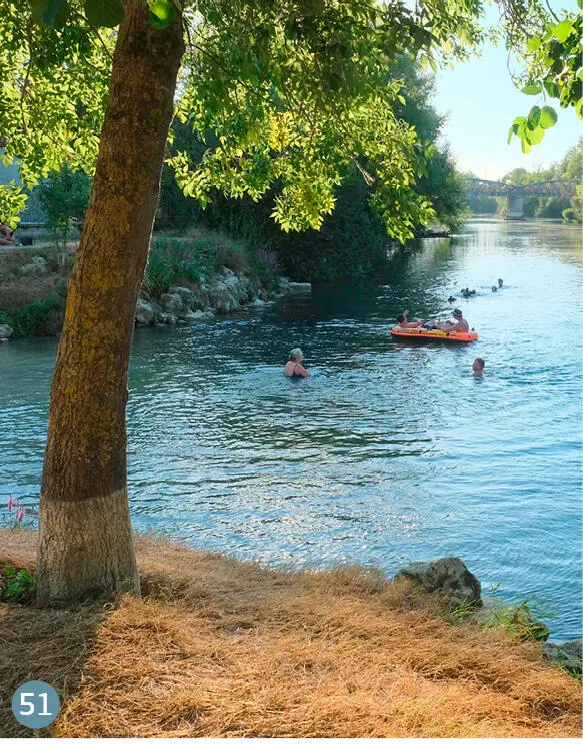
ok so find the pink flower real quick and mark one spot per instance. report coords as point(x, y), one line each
point(10, 503)
point(20, 514)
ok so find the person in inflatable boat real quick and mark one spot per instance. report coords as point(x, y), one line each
point(459, 326)
point(404, 323)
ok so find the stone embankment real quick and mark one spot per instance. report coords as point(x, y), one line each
point(224, 293)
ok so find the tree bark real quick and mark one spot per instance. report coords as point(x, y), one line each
point(86, 545)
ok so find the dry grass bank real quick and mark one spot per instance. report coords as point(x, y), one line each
point(222, 648)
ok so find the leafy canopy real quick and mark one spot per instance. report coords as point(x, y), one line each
point(553, 56)
point(293, 92)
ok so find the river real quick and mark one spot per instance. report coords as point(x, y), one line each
point(390, 453)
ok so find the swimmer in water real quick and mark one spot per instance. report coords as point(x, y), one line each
point(478, 366)
point(500, 283)
point(494, 288)
point(294, 368)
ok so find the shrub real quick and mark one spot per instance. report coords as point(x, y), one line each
point(266, 267)
point(43, 317)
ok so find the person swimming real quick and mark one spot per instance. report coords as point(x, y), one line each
point(294, 368)
point(478, 366)
point(500, 283)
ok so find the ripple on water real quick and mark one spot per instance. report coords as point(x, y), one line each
point(391, 453)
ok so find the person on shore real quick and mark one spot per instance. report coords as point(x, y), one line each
point(478, 366)
point(6, 235)
point(404, 323)
point(500, 283)
point(294, 368)
point(460, 325)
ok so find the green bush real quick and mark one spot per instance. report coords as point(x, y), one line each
point(175, 260)
point(42, 317)
point(571, 215)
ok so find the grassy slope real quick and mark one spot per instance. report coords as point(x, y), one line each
point(217, 647)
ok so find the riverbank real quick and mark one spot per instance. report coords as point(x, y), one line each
point(218, 647)
point(189, 278)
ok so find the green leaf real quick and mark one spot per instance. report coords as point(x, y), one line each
point(161, 14)
point(512, 131)
point(535, 136)
point(548, 117)
point(533, 44)
point(579, 108)
point(551, 88)
point(563, 30)
point(533, 117)
point(108, 13)
point(532, 90)
point(526, 147)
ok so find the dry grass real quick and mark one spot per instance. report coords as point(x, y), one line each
point(218, 648)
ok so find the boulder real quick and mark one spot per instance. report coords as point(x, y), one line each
point(258, 303)
point(186, 295)
point(6, 332)
point(222, 298)
point(568, 655)
point(172, 304)
point(37, 267)
point(247, 291)
point(449, 576)
point(299, 287)
point(145, 315)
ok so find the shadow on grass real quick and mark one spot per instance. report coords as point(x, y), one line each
point(47, 644)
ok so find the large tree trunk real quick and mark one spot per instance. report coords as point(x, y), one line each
point(86, 546)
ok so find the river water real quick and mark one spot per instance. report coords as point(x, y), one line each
point(390, 453)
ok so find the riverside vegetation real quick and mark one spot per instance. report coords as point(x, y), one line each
point(212, 272)
point(218, 647)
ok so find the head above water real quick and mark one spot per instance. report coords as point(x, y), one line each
point(478, 364)
point(296, 355)
point(500, 282)
point(494, 288)
point(457, 313)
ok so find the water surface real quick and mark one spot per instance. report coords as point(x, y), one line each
point(391, 453)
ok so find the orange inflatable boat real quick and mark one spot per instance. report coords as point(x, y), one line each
point(436, 335)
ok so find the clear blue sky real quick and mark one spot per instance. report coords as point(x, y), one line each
point(481, 102)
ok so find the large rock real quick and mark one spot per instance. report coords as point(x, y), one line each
point(186, 295)
point(449, 576)
point(567, 655)
point(172, 304)
point(6, 332)
point(222, 298)
point(299, 287)
point(247, 291)
point(145, 315)
point(37, 267)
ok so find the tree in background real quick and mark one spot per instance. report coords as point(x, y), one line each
point(570, 168)
point(351, 243)
point(63, 197)
point(294, 92)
